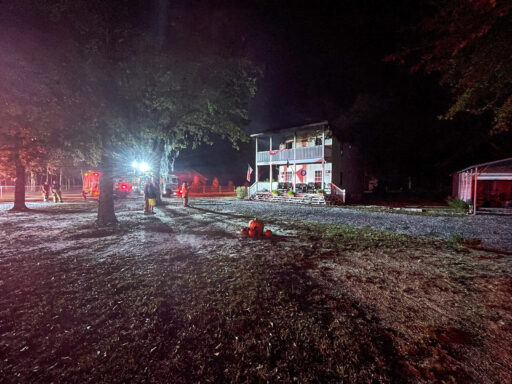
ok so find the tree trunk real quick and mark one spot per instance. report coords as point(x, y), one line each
point(106, 214)
point(158, 148)
point(19, 189)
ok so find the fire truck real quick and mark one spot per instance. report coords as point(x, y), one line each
point(91, 184)
point(170, 185)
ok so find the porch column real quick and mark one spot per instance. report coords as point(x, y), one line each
point(256, 165)
point(470, 184)
point(270, 163)
point(465, 186)
point(459, 190)
point(294, 160)
point(323, 159)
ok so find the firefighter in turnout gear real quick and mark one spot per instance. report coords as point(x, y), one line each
point(184, 194)
point(149, 197)
point(57, 193)
point(45, 190)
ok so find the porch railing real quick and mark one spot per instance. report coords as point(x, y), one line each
point(302, 153)
point(337, 192)
point(260, 186)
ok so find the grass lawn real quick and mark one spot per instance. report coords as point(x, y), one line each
point(182, 297)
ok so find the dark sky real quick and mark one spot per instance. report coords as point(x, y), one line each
point(325, 60)
point(318, 58)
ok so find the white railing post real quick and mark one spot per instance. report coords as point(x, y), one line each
point(323, 159)
point(270, 162)
point(294, 161)
point(256, 165)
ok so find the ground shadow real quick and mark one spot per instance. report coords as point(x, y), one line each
point(235, 216)
point(51, 211)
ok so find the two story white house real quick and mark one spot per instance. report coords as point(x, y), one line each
point(304, 159)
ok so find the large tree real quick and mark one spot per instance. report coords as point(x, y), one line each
point(37, 98)
point(181, 102)
point(469, 43)
point(170, 93)
point(186, 90)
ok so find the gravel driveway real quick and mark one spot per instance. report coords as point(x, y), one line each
point(495, 231)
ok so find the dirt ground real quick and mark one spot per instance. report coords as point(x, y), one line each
point(183, 297)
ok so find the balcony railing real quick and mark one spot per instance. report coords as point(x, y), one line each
point(302, 153)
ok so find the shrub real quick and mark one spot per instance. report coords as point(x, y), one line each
point(320, 191)
point(291, 193)
point(458, 205)
point(275, 192)
point(241, 192)
point(456, 239)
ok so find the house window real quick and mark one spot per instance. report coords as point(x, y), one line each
point(288, 176)
point(289, 145)
point(318, 141)
point(318, 176)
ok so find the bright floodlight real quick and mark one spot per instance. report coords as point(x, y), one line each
point(135, 164)
point(144, 167)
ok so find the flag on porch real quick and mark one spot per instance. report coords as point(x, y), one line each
point(301, 173)
point(249, 172)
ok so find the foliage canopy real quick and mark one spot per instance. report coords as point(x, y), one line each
point(469, 44)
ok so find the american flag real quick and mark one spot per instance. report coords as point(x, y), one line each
point(249, 172)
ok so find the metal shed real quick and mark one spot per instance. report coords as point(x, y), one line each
point(490, 182)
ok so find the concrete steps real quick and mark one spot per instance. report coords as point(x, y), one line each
point(308, 199)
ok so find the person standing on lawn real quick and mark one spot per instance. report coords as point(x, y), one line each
point(149, 197)
point(45, 190)
point(57, 193)
point(184, 194)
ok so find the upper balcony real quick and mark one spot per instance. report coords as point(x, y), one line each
point(311, 154)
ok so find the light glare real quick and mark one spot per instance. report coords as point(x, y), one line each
point(144, 167)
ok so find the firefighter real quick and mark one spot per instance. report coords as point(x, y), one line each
point(45, 190)
point(184, 194)
point(149, 197)
point(57, 193)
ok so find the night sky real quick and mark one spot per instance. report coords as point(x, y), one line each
point(324, 60)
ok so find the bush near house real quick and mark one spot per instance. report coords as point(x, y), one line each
point(241, 192)
point(458, 205)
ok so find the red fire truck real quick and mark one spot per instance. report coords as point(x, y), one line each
point(91, 185)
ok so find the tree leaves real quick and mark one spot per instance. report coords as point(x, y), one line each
point(469, 43)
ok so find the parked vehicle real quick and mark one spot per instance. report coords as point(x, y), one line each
point(122, 188)
point(170, 186)
point(91, 185)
